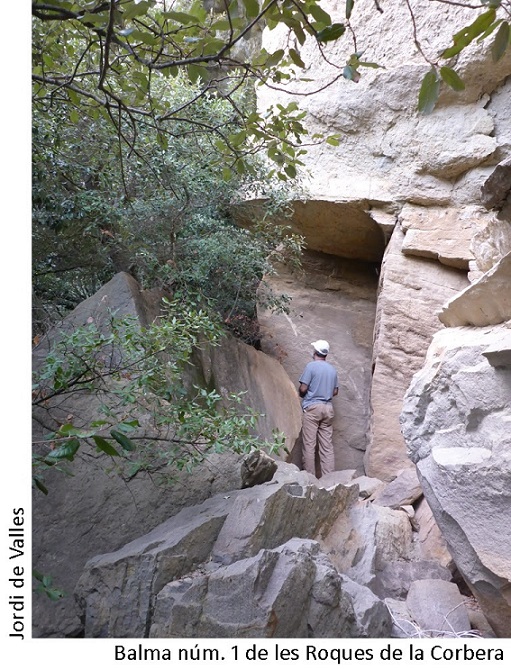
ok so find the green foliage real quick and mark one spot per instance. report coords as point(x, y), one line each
point(502, 40)
point(137, 373)
point(45, 586)
point(428, 94)
point(451, 78)
point(113, 59)
point(484, 25)
point(226, 266)
point(160, 213)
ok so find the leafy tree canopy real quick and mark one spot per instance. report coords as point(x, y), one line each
point(114, 57)
point(161, 214)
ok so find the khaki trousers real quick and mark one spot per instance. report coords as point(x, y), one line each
point(317, 429)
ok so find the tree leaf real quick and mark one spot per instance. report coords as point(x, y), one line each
point(467, 34)
point(368, 64)
point(104, 446)
point(320, 15)
point(351, 73)
point(452, 78)
point(501, 42)
point(274, 58)
point(300, 35)
point(295, 57)
point(121, 439)
point(67, 429)
point(180, 17)
point(489, 30)
point(136, 9)
point(331, 33)
point(196, 72)
point(290, 170)
point(128, 426)
point(93, 19)
point(349, 7)
point(251, 8)
point(428, 94)
point(39, 484)
point(65, 451)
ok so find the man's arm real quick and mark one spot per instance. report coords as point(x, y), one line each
point(336, 391)
point(302, 390)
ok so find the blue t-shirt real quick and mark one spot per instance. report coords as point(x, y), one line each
point(321, 378)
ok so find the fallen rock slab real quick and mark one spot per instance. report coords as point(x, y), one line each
point(438, 608)
point(405, 489)
point(367, 486)
point(366, 538)
point(257, 597)
point(396, 577)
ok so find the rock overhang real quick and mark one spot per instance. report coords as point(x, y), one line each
point(341, 228)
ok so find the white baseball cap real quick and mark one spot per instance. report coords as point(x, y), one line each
point(321, 346)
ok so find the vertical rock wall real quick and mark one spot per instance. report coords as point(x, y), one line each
point(332, 299)
point(411, 291)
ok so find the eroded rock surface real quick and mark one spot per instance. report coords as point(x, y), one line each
point(485, 302)
point(230, 568)
point(456, 421)
point(411, 292)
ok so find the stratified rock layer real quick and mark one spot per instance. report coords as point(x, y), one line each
point(411, 292)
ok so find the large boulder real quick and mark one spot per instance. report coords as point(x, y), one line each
point(229, 568)
point(257, 597)
point(438, 608)
point(485, 302)
point(367, 538)
point(456, 421)
point(405, 489)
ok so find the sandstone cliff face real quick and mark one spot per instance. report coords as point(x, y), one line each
point(417, 178)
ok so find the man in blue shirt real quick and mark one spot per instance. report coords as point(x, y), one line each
point(318, 385)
